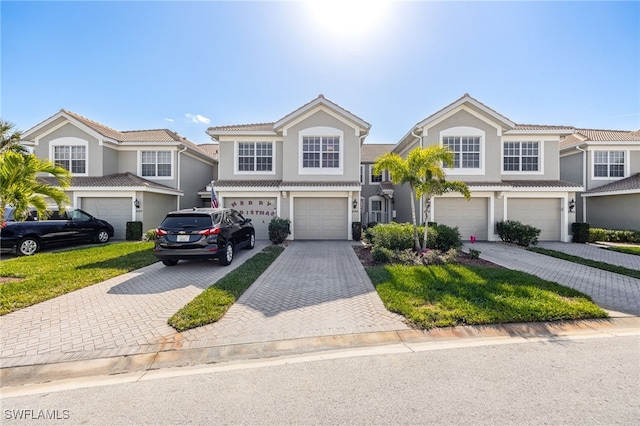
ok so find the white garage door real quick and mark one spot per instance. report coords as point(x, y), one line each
point(469, 216)
point(259, 210)
point(116, 211)
point(320, 219)
point(543, 213)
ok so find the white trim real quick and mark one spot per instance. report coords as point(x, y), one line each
point(466, 131)
point(150, 149)
point(455, 107)
point(540, 170)
point(606, 193)
point(320, 131)
point(236, 152)
point(324, 104)
point(371, 182)
point(363, 174)
point(627, 160)
point(71, 141)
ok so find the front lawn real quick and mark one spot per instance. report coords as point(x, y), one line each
point(47, 275)
point(449, 295)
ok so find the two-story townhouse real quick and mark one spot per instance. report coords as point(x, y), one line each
point(512, 170)
point(377, 204)
point(607, 164)
point(123, 176)
point(303, 167)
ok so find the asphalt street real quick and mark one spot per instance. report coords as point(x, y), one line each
point(563, 381)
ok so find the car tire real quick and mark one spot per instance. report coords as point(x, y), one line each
point(227, 256)
point(252, 241)
point(169, 262)
point(28, 246)
point(102, 236)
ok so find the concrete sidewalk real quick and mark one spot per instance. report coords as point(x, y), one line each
point(610, 291)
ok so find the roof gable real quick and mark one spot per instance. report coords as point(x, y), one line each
point(472, 105)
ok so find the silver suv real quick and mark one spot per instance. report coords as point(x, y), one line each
point(202, 233)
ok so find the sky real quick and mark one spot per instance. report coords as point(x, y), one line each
point(185, 66)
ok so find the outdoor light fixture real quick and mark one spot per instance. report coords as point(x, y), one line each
point(355, 204)
point(572, 205)
point(136, 203)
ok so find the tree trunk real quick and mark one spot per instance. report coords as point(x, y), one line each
point(416, 239)
point(427, 204)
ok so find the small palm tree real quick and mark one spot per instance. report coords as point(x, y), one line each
point(20, 188)
point(422, 171)
point(10, 139)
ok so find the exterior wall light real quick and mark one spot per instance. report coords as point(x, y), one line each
point(136, 203)
point(355, 204)
point(572, 205)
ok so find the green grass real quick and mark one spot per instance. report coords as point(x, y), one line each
point(588, 262)
point(48, 275)
point(210, 305)
point(449, 295)
point(626, 249)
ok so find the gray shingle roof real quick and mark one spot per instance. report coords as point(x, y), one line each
point(371, 151)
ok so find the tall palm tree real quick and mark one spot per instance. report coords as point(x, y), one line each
point(10, 138)
point(20, 188)
point(422, 171)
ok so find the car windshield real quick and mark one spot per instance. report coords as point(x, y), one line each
point(190, 221)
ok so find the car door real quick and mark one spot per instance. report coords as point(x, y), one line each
point(81, 225)
point(242, 231)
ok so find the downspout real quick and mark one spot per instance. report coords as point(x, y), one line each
point(359, 193)
point(584, 182)
point(178, 178)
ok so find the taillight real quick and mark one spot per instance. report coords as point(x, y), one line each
point(160, 232)
point(210, 231)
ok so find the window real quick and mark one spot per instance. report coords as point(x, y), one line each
point(156, 163)
point(608, 164)
point(72, 158)
point(521, 157)
point(466, 150)
point(255, 156)
point(374, 178)
point(362, 174)
point(321, 152)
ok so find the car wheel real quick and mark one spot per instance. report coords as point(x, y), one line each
point(252, 241)
point(28, 246)
point(169, 262)
point(102, 236)
point(227, 256)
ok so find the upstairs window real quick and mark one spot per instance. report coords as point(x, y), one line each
point(255, 157)
point(72, 158)
point(373, 177)
point(521, 157)
point(466, 151)
point(321, 152)
point(608, 164)
point(156, 164)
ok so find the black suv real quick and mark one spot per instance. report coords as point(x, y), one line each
point(203, 233)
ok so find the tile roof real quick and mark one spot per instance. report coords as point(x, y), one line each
point(100, 128)
point(627, 184)
point(115, 180)
point(212, 149)
point(371, 151)
point(609, 135)
point(255, 127)
point(526, 184)
point(322, 184)
point(256, 183)
point(321, 98)
point(536, 127)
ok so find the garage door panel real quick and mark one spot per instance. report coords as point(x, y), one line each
point(259, 210)
point(470, 217)
point(320, 218)
point(116, 211)
point(543, 213)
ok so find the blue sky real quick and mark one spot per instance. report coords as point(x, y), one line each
point(189, 65)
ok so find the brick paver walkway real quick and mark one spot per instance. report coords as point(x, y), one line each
point(588, 251)
point(610, 291)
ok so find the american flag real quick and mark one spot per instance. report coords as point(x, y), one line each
point(214, 199)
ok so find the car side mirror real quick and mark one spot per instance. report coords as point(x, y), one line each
point(247, 221)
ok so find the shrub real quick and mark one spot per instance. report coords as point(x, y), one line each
point(150, 235)
point(356, 231)
point(614, 236)
point(474, 254)
point(446, 238)
point(394, 236)
point(133, 231)
point(512, 231)
point(381, 254)
point(431, 257)
point(279, 230)
point(580, 231)
point(450, 256)
point(406, 257)
point(368, 234)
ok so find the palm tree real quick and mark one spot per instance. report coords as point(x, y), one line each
point(20, 188)
point(10, 139)
point(422, 171)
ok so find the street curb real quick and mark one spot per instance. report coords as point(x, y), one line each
point(413, 340)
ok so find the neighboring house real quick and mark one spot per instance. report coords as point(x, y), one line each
point(376, 197)
point(303, 167)
point(123, 176)
point(512, 170)
point(607, 164)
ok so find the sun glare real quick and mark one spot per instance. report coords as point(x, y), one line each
point(349, 17)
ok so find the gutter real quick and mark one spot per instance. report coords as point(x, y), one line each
point(584, 182)
point(178, 177)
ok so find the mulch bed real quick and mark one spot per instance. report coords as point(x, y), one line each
point(364, 254)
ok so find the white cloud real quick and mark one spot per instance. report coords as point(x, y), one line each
point(170, 120)
point(197, 118)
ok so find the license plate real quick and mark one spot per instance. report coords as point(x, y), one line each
point(182, 238)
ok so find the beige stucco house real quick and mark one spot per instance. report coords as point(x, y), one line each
point(304, 167)
point(607, 164)
point(123, 176)
point(512, 170)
